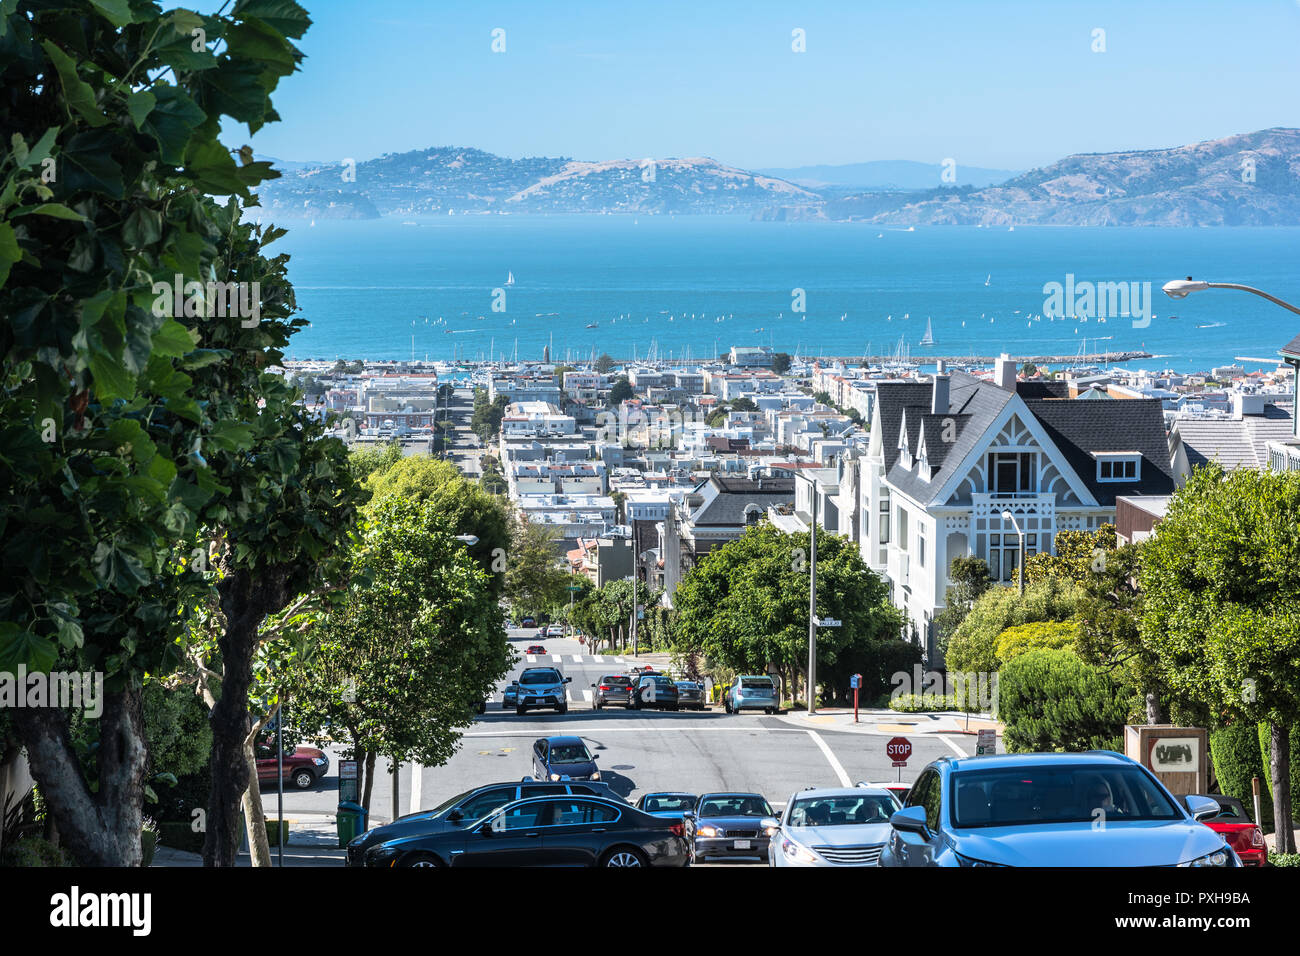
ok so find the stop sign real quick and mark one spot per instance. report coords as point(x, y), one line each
point(899, 749)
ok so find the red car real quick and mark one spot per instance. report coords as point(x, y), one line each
point(536, 649)
point(302, 768)
point(1238, 832)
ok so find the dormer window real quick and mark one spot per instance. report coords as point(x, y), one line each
point(1119, 466)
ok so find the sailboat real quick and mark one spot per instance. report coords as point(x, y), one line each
point(928, 338)
point(989, 279)
point(510, 278)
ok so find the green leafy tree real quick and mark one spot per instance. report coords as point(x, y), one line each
point(620, 391)
point(1049, 700)
point(365, 461)
point(745, 604)
point(466, 507)
point(1221, 578)
point(974, 644)
point(402, 664)
point(970, 579)
point(486, 419)
point(604, 364)
point(1040, 635)
point(744, 404)
point(1078, 554)
point(781, 363)
point(108, 423)
point(535, 581)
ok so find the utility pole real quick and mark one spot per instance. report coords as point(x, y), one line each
point(812, 608)
point(636, 581)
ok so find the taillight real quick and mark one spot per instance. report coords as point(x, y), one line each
point(1257, 837)
point(677, 829)
point(605, 687)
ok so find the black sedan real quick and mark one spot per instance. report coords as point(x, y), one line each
point(546, 831)
point(690, 695)
point(654, 690)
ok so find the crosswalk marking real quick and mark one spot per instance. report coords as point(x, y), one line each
point(556, 659)
point(577, 658)
point(532, 658)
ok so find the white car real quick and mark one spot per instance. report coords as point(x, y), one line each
point(832, 826)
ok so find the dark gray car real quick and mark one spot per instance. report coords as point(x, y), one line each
point(655, 690)
point(612, 689)
point(690, 695)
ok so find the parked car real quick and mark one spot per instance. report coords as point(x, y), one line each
point(899, 790)
point(1235, 826)
point(554, 630)
point(541, 687)
point(612, 689)
point(535, 649)
point(1050, 809)
point(546, 831)
point(510, 696)
point(690, 695)
point(563, 758)
point(465, 808)
point(753, 692)
point(729, 826)
point(528, 622)
point(669, 805)
point(832, 826)
point(302, 768)
point(654, 690)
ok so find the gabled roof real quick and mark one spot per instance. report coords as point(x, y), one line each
point(1292, 348)
point(1234, 442)
point(725, 499)
point(1081, 428)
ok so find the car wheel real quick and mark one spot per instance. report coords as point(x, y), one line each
point(596, 706)
point(421, 859)
point(520, 711)
point(563, 708)
point(727, 706)
point(768, 710)
point(303, 779)
point(623, 856)
point(673, 707)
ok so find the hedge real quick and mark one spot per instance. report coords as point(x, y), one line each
point(1050, 700)
point(1234, 749)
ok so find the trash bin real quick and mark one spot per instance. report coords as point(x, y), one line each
point(351, 820)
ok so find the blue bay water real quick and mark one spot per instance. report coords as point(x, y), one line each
point(363, 284)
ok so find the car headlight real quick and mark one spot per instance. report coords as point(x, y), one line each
point(797, 852)
point(1220, 857)
point(595, 775)
point(382, 856)
point(555, 777)
point(707, 831)
point(970, 861)
point(318, 761)
point(771, 831)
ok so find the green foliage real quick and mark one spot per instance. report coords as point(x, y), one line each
point(744, 404)
point(463, 505)
point(974, 645)
point(1078, 553)
point(1221, 577)
point(1284, 859)
point(745, 604)
point(372, 459)
point(925, 703)
point(970, 579)
point(35, 851)
point(535, 581)
point(1265, 732)
point(402, 664)
point(1049, 635)
point(781, 363)
point(621, 391)
point(176, 729)
point(822, 398)
point(1235, 752)
point(486, 419)
point(1049, 700)
point(604, 364)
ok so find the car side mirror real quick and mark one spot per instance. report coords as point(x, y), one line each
point(770, 823)
point(568, 680)
point(688, 815)
point(454, 816)
point(1202, 808)
point(595, 756)
point(911, 820)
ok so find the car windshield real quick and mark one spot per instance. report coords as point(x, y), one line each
point(569, 753)
point(444, 806)
point(668, 802)
point(658, 679)
point(540, 677)
point(620, 680)
point(842, 811)
point(740, 805)
point(686, 684)
point(756, 683)
point(1014, 796)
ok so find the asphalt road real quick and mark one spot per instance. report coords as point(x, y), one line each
point(639, 751)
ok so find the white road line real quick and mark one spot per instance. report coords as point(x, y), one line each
point(577, 658)
point(598, 659)
point(835, 764)
point(619, 660)
point(532, 658)
point(556, 659)
point(586, 695)
point(669, 726)
point(955, 749)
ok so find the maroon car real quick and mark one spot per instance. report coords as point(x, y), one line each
point(302, 768)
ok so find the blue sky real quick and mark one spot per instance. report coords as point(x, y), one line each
point(1001, 84)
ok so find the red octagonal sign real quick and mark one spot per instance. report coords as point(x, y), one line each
point(899, 749)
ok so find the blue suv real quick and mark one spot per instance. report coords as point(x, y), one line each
point(563, 758)
point(1049, 809)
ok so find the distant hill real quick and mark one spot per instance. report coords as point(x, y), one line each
point(1252, 179)
point(462, 180)
point(887, 175)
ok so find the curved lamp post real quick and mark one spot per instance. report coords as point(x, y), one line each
point(1020, 565)
point(1181, 288)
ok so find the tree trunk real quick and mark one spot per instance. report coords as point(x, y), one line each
point(370, 781)
point(254, 816)
point(246, 599)
point(1155, 714)
point(101, 828)
point(1279, 767)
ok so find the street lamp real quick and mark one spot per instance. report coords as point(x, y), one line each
point(1181, 288)
point(468, 539)
point(1008, 516)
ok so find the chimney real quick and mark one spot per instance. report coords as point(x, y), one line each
point(939, 405)
point(1004, 372)
point(942, 366)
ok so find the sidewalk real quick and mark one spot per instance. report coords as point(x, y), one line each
point(887, 723)
point(313, 841)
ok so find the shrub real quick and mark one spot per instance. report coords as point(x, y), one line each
point(180, 836)
point(1041, 635)
point(1284, 859)
point(35, 851)
point(919, 703)
point(1234, 750)
point(974, 644)
point(1050, 700)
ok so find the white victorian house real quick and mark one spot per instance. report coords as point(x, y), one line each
point(949, 458)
